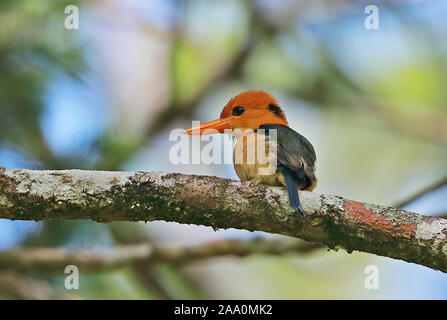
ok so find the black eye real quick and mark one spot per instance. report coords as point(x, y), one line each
point(237, 111)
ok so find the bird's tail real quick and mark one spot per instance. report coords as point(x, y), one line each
point(292, 190)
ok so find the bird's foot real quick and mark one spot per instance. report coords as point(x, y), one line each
point(256, 180)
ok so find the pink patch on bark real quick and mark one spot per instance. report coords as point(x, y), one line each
point(359, 214)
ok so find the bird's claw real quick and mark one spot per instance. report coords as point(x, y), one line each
point(256, 180)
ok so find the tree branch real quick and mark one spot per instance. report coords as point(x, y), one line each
point(55, 260)
point(433, 187)
point(222, 203)
point(18, 286)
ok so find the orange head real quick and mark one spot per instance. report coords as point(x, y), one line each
point(247, 110)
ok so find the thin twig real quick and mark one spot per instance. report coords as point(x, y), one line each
point(433, 187)
point(142, 255)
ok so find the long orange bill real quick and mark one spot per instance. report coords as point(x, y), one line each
point(215, 126)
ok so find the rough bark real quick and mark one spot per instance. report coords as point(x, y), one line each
point(223, 203)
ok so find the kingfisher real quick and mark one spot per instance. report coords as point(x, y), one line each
point(254, 116)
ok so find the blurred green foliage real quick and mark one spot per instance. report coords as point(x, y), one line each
point(33, 49)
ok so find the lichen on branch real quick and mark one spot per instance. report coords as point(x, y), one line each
point(222, 203)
